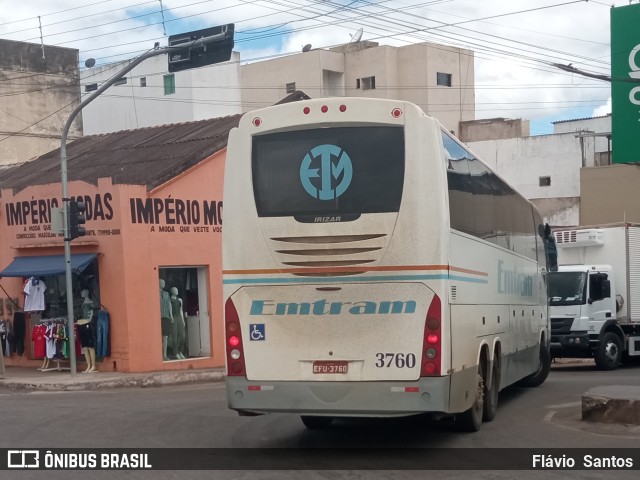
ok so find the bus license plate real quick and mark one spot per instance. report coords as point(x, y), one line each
point(330, 366)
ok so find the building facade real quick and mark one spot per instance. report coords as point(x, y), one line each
point(437, 78)
point(39, 89)
point(150, 95)
point(150, 262)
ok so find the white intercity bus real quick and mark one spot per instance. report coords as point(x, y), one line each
point(373, 266)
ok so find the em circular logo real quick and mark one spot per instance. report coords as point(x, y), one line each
point(319, 182)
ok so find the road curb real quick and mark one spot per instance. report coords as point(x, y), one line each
point(133, 380)
point(612, 404)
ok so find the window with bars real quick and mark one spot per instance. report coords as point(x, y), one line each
point(366, 83)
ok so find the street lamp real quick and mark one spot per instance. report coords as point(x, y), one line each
point(224, 38)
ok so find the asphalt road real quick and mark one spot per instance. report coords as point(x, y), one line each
point(196, 416)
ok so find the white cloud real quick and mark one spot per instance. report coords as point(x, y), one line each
point(603, 109)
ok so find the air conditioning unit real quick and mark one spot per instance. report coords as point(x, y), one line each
point(579, 238)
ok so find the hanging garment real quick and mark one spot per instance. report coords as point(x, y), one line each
point(86, 332)
point(4, 338)
point(34, 289)
point(19, 332)
point(77, 345)
point(39, 340)
point(50, 338)
point(62, 341)
point(104, 347)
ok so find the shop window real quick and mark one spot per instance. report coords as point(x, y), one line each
point(544, 181)
point(86, 291)
point(184, 313)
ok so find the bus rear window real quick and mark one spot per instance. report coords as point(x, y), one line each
point(344, 171)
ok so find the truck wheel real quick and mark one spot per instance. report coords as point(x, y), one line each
point(609, 353)
point(536, 379)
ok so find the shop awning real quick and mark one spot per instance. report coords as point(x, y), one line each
point(46, 265)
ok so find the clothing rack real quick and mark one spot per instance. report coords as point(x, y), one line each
point(57, 367)
point(47, 360)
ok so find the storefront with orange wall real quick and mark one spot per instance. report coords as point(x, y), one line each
point(140, 236)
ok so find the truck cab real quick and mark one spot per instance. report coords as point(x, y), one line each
point(582, 304)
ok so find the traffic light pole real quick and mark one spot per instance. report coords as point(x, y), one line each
point(64, 175)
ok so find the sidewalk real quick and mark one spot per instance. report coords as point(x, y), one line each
point(30, 379)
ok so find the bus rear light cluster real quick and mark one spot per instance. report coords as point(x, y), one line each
point(233, 336)
point(432, 340)
point(324, 109)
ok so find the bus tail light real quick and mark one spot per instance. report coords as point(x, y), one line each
point(432, 340)
point(233, 337)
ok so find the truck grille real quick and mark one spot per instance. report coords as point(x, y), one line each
point(561, 326)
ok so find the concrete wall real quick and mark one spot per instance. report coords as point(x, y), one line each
point(38, 94)
point(610, 194)
point(493, 129)
point(596, 125)
point(264, 83)
point(200, 93)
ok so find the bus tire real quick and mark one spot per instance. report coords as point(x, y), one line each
point(536, 379)
point(471, 420)
point(315, 423)
point(491, 392)
point(609, 353)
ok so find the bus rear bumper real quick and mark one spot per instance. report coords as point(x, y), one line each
point(375, 399)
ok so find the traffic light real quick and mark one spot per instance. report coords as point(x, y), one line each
point(208, 54)
point(76, 219)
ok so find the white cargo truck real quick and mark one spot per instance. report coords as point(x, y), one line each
point(594, 297)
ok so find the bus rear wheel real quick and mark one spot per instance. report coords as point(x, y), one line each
point(315, 423)
point(471, 420)
point(491, 393)
point(536, 379)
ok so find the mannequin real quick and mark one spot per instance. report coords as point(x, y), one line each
point(166, 317)
point(178, 323)
point(85, 332)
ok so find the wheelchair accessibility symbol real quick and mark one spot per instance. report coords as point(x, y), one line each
point(256, 331)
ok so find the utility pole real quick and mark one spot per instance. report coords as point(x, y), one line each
point(224, 38)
